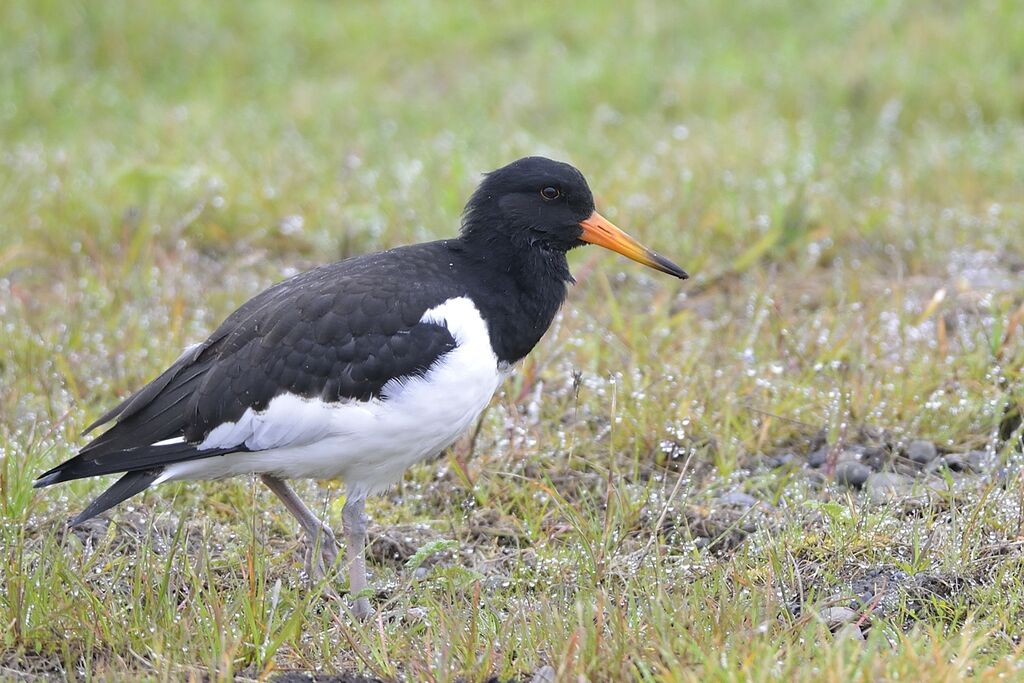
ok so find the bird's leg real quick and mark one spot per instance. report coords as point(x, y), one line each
point(354, 518)
point(321, 546)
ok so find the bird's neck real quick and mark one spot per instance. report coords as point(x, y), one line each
point(521, 290)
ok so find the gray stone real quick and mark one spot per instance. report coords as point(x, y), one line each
point(921, 451)
point(817, 458)
point(849, 453)
point(875, 457)
point(954, 462)
point(941, 485)
point(981, 461)
point(887, 487)
point(835, 617)
point(816, 478)
point(738, 499)
point(852, 473)
point(545, 674)
point(849, 632)
point(781, 460)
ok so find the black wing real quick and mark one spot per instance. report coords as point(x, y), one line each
point(337, 332)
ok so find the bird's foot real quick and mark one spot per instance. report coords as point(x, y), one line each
point(361, 609)
point(322, 558)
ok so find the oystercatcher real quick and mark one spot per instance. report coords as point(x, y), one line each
point(360, 368)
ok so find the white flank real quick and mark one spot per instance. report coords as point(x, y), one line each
point(369, 444)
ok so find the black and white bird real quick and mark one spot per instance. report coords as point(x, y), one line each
point(359, 369)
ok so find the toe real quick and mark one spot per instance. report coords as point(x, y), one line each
point(361, 609)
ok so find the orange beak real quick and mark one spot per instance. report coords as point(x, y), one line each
point(600, 231)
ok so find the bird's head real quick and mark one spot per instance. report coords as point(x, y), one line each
point(537, 203)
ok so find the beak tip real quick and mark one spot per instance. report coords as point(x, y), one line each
point(664, 265)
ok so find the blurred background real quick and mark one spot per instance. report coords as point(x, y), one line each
point(342, 127)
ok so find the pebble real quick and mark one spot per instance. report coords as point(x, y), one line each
point(852, 473)
point(875, 457)
point(953, 462)
point(738, 499)
point(545, 674)
point(781, 460)
point(817, 458)
point(850, 453)
point(816, 478)
point(849, 632)
point(886, 487)
point(981, 461)
point(921, 451)
point(835, 617)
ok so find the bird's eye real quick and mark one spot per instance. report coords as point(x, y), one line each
point(550, 193)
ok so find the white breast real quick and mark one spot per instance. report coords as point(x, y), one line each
point(369, 444)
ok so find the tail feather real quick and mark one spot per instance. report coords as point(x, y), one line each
point(123, 489)
point(142, 459)
point(145, 423)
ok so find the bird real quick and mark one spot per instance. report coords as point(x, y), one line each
point(358, 369)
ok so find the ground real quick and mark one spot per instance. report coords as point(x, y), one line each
point(801, 464)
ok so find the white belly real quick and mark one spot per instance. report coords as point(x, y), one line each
point(369, 444)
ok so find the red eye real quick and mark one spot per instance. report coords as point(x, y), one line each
point(550, 193)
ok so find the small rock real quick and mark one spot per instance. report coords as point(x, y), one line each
point(921, 451)
point(875, 457)
point(850, 453)
point(817, 458)
point(836, 617)
point(886, 487)
point(954, 462)
point(780, 460)
point(853, 451)
point(738, 499)
point(849, 632)
point(816, 478)
point(981, 461)
point(545, 674)
point(852, 473)
point(941, 486)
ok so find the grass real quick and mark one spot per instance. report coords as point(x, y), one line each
point(843, 180)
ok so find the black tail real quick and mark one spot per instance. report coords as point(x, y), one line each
point(141, 467)
point(123, 489)
point(145, 458)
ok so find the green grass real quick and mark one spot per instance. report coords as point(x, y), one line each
point(843, 180)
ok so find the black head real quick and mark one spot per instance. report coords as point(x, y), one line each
point(536, 202)
point(539, 204)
